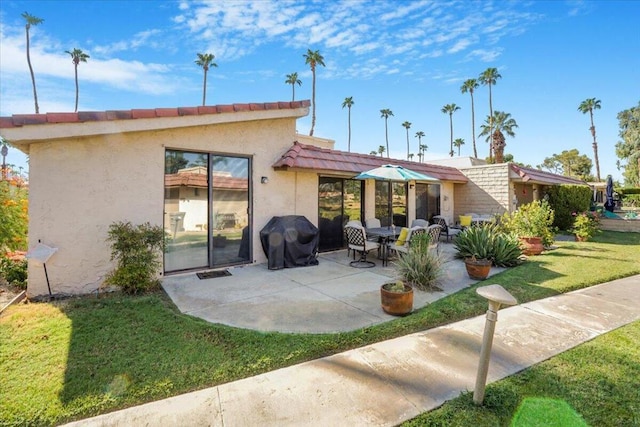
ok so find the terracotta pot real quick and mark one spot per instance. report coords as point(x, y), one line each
point(396, 303)
point(531, 245)
point(478, 269)
point(581, 238)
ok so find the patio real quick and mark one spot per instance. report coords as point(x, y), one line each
point(327, 298)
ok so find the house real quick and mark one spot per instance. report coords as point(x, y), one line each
point(212, 176)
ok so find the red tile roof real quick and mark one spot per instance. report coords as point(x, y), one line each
point(18, 120)
point(200, 180)
point(542, 177)
point(302, 156)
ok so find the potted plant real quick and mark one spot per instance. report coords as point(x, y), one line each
point(474, 245)
point(477, 268)
point(532, 223)
point(585, 225)
point(419, 268)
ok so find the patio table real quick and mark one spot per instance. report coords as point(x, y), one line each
point(386, 235)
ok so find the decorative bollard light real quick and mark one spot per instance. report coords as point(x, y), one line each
point(497, 296)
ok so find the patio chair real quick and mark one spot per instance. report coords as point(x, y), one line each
point(352, 223)
point(373, 223)
point(357, 241)
point(446, 230)
point(434, 236)
point(419, 223)
point(403, 246)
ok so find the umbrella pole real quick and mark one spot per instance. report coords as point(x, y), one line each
point(47, 277)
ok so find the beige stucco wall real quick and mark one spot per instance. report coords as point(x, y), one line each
point(487, 192)
point(79, 186)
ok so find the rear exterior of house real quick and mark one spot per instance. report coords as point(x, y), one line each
point(211, 176)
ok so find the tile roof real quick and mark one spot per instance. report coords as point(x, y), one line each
point(200, 180)
point(542, 177)
point(302, 156)
point(18, 120)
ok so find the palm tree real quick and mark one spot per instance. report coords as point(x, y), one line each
point(588, 105)
point(373, 153)
point(293, 80)
point(489, 77)
point(450, 109)
point(410, 156)
point(381, 150)
point(32, 20)
point(423, 149)
point(313, 58)
point(205, 60)
point(419, 135)
point(458, 142)
point(348, 102)
point(77, 56)
point(494, 130)
point(407, 125)
point(470, 85)
point(385, 112)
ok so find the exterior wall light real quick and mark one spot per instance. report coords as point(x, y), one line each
point(264, 180)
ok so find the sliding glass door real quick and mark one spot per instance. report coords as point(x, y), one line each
point(206, 210)
point(339, 201)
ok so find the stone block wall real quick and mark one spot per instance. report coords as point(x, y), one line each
point(487, 192)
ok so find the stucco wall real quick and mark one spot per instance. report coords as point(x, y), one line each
point(79, 186)
point(487, 192)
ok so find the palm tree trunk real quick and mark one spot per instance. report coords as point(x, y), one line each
point(473, 127)
point(595, 147)
point(313, 100)
point(77, 88)
point(407, 144)
point(293, 92)
point(33, 77)
point(451, 129)
point(349, 121)
point(490, 125)
point(204, 88)
point(386, 135)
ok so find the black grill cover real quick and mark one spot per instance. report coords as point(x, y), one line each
point(290, 241)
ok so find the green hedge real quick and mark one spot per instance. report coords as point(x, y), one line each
point(567, 199)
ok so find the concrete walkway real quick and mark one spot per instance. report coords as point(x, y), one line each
point(393, 381)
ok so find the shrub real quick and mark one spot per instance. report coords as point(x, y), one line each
point(586, 224)
point(13, 269)
point(533, 219)
point(136, 249)
point(13, 216)
point(486, 241)
point(567, 199)
point(420, 267)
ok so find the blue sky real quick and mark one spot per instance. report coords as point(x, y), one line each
point(407, 56)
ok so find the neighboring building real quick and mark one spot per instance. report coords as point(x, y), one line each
point(212, 176)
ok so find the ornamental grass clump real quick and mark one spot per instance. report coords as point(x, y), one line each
point(137, 249)
point(420, 268)
point(585, 225)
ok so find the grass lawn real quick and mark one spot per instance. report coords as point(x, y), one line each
point(81, 357)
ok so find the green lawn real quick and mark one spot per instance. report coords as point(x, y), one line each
point(77, 358)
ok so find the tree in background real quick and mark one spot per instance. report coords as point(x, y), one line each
point(385, 113)
point(32, 20)
point(458, 142)
point(569, 163)
point(77, 56)
point(313, 58)
point(470, 85)
point(348, 102)
point(489, 77)
point(420, 135)
point(293, 80)
point(423, 149)
point(501, 124)
point(629, 147)
point(407, 126)
point(450, 109)
point(587, 106)
point(205, 60)
point(381, 150)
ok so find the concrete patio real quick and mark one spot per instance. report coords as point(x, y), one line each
point(329, 297)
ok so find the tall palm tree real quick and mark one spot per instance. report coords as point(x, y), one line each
point(494, 130)
point(205, 60)
point(313, 58)
point(470, 85)
point(587, 106)
point(407, 125)
point(348, 102)
point(381, 150)
point(77, 56)
point(450, 109)
point(458, 142)
point(410, 156)
point(419, 135)
point(32, 20)
point(293, 80)
point(385, 112)
point(423, 149)
point(489, 77)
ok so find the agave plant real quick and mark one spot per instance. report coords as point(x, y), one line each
point(486, 241)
